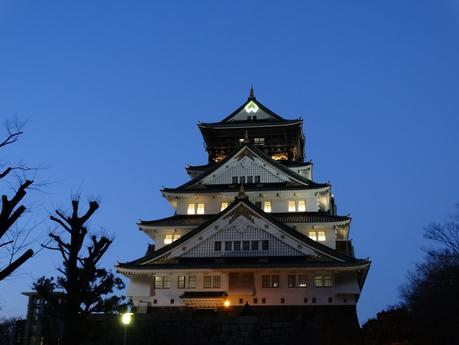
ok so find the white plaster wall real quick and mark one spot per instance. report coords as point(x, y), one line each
point(345, 287)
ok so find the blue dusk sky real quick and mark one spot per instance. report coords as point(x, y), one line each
point(112, 92)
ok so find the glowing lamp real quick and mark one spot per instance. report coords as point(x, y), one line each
point(226, 304)
point(126, 318)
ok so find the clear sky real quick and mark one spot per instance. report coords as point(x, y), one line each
point(112, 91)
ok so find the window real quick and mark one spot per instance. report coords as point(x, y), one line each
point(191, 209)
point(245, 245)
point(317, 235)
point(237, 246)
point(265, 245)
point(301, 206)
point(169, 238)
point(321, 236)
point(241, 140)
point(259, 141)
point(267, 206)
point(162, 282)
point(217, 246)
point(191, 282)
point(181, 280)
point(325, 280)
point(234, 179)
point(258, 204)
point(241, 179)
point(270, 281)
point(207, 282)
point(291, 281)
point(254, 245)
point(257, 179)
point(301, 281)
point(228, 246)
point(224, 205)
point(291, 206)
point(200, 209)
point(211, 282)
point(216, 281)
point(249, 179)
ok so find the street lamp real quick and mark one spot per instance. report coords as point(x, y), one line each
point(126, 319)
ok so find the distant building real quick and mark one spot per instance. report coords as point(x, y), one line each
point(42, 327)
point(250, 227)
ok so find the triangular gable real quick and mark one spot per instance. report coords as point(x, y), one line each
point(243, 221)
point(252, 109)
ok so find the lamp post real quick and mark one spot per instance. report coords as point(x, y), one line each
point(126, 319)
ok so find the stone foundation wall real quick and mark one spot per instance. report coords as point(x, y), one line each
point(321, 325)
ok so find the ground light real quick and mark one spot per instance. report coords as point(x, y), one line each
point(126, 319)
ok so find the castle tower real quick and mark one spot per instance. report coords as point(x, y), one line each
point(250, 226)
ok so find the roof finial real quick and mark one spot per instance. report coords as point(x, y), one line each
point(241, 194)
point(252, 93)
point(246, 137)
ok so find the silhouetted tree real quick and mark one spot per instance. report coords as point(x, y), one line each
point(82, 287)
point(11, 330)
point(11, 210)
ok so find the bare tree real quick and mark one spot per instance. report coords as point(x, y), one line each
point(12, 209)
point(446, 235)
point(86, 288)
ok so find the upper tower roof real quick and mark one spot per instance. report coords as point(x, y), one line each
point(281, 138)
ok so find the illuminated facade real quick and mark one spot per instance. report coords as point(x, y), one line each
point(250, 227)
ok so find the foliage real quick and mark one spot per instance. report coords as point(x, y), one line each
point(82, 287)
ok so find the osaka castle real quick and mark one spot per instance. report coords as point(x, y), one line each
point(250, 227)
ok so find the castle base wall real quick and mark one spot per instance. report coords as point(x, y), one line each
point(313, 325)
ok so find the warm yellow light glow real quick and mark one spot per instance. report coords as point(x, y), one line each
point(251, 107)
point(200, 209)
point(126, 318)
point(312, 235)
point(282, 156)
point(267, 206)
point(191, 209)
point(224, 205)
point(301, 206)
point(226, 304)
point(291, 206)
point(321, 236)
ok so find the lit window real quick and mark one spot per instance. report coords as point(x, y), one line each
point(321, 236)
point(328, 280)
point(297, 281)
point(162, 282)
point(301, 281)
point(224, 205)
point(318, 281)
point(191, 209)
point(200, 209)
point(323, 280)
point(312, 235)
point(291, 206)
point(267, 206)
point(282, 156)
point(291, 281)
point(259, 141)
point(168, 239)
point(241, 140)
point(301, 206)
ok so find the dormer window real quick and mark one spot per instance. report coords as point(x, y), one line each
point(301, 206)
point(267, 206)
point(169, 238)
point(259, 141)
point(200, 209)
point(291, 206)
point(191, 209)
point(317, 236)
